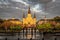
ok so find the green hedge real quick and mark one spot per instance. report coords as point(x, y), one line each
point(45, 26)
point(15, 27)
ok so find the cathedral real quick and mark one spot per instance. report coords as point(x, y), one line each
point(29, 21)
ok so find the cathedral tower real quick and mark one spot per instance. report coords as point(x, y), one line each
point(29, 21)
point(34, 18)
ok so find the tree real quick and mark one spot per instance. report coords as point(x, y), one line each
point(1, 20)
point(0, 26)
point(16, 27)
point(57, 26)
point(57, 18)
point(6, 24)
point(45, 26)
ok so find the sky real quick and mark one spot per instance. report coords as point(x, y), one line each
point(16, 8)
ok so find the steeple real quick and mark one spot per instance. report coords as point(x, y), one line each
point(45, 16)
point(29, 10)
point(34, 15)
point(23, 15)
point(45, 19)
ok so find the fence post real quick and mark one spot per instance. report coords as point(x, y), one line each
point(55, 39)
point(18, 39)
point(42, 38)
point(5, 38)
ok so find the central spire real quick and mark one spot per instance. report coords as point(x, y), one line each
point(29, 10)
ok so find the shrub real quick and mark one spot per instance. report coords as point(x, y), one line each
point(15, 27)
point(45, 26)
point(57, 26)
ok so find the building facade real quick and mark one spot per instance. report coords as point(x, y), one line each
point(29, 21)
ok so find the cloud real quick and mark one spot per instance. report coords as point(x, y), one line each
point(5, 2)
point(40, 1)
point(21, 1)
point(36, 8)
point(53, 0)
point(10, 8)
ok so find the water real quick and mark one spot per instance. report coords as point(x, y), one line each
point(26, 34)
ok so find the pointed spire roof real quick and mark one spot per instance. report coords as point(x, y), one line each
point(34, 15)
point(23, 15)
point(29, 10)
point(45, 16)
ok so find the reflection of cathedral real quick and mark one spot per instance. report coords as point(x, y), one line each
point(29, 21)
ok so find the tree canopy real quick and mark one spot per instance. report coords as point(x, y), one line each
point(57, 18)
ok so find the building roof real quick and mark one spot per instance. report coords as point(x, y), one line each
point(13, 20)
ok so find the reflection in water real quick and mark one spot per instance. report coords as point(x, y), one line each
point(24, 34)
point(28, 34)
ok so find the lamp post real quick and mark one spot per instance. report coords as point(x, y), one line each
point(23, 33)
point(35, 32)
point(5, 38)
point(42, 35)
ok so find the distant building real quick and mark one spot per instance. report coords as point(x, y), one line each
point(15, 21)
point(47, 20)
